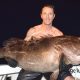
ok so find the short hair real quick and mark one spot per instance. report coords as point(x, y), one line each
point(48, 5)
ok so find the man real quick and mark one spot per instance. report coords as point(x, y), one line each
point(43, 30)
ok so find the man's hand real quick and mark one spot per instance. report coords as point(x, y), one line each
point(69, 78)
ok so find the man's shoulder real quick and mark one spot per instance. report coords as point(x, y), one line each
point(34, 28)
point(57, 31)
point(37, 26)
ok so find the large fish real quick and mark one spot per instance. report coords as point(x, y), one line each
point(43, 55)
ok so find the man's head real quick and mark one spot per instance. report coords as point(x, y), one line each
point(47, 14)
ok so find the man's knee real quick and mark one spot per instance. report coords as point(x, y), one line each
point(28, 75)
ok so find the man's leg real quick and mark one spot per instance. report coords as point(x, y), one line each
point(64, 71)
point(47, 75)
point(29, 75)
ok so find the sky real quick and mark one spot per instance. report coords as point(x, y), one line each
point(17, 16)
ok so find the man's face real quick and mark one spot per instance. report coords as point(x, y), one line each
point(47, 15)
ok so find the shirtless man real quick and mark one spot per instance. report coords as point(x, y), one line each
point(39, 31)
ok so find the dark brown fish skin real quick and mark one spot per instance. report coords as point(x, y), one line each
point(43, 55)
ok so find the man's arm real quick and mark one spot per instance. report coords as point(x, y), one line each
point(29, 34)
